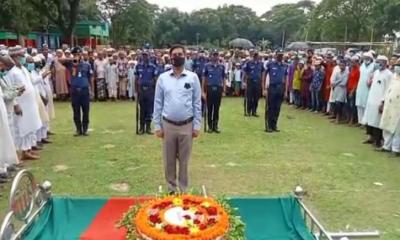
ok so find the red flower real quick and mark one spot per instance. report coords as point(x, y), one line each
point(197, 222)
point(183, 230)
point(212, 211)
point(212, 221)
point(203, 226)
point(186, 208)
point(187, 217)
point(169, 229)
point(155, 219)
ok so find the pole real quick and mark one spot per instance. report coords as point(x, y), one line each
point(372, 39)
point(137, 112)
point(306, 38)
point(197, 40)
point(345, 37)
point(283, 38)
point(266, 111)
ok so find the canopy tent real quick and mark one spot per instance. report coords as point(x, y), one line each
point(241, 43)
point(298, 46)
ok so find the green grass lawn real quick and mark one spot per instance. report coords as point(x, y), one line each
point(329, 161)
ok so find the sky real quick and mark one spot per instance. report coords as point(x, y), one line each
point(259, 6)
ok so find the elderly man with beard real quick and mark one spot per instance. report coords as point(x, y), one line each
point(373, 111)
point(390, 122)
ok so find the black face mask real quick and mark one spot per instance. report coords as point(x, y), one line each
point(178, 61)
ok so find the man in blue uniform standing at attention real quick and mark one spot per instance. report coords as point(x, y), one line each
point(146, 73)
point(80, 95)
point(254, 70)
point(213, 87)
point(199, 62)
point(277, 71)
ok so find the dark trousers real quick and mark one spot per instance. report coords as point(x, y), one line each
point(253, 95)
point(146, 102)
point(80, 101)
point(315, 100)
point(214, 95)
point(351, 108)
point(339, 109)
point(275, 98)
point(376, 135)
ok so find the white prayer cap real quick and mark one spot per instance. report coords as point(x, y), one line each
point(355, 58)
point(3, 52)
point(67, 51)
point(17, 50)
point(131, 62)
point(3, 47)
point(372, 52)
point(368, 55)
point(347, 56)
point(382, 58)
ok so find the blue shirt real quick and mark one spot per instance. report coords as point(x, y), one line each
point(145, 73)
point(215, 74)
point(277, 72)
point(318, 79)
point(254, 70)
point(198, 65)
point(177, 99)
point(80, 75)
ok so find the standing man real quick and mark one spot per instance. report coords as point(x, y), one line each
point(80, 95)
point(373, 111)
point(122, 64)
point(146, 74)
point(316, 84)
point(177, 117)
point(366, 74)
point(213, 87)
point(254, 70)
point(277, 72)
point(100, 65)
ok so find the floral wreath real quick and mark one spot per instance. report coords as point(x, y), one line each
point(193, 217)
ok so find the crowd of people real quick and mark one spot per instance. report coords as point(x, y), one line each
point(356, 88)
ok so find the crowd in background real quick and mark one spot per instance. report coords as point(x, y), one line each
point(357, 88)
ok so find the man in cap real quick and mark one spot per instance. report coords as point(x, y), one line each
point(354, 77)
point(27, 119)
point(146, 74)
point(373, 111)
point(122, 64)
point(390, 123)
point(316, 85)
point(254, 70)
point(274, 90)
point(329, 65)
point(366, 73)
point(213, 87)
point(80, 96)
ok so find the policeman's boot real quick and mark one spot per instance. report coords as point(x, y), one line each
point(141, 129)
point(215, 127)
point(148, 129)
point(210, 127)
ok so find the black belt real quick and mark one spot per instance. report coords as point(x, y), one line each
point(179, 123)
point(145, 88)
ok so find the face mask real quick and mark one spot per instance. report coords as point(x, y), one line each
point(368, 62)
point(397, 69)
point(377, 66)
point(22, 60)
point(30, 67)
point(178, 61)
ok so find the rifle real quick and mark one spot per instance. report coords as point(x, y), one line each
point(137, 112)
point(266, 111)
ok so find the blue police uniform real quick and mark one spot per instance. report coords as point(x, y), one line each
point(80, 96)
point(198, 68)
point(254, 70)
point(214, 75)
point(145, 75)
point(277, 72)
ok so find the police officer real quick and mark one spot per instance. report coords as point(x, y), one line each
point(146, 73)
point(199, 62)
point(80, 96)
point(277, 72)
point(213, 87)
point(254, 70)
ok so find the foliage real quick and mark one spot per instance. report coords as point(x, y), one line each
point(236, 225)
point(127, 222)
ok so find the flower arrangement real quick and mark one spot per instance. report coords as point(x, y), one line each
point(183, 217)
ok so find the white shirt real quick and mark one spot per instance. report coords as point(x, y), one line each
point(100, 67)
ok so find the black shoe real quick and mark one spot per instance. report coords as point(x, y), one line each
point(148, 129)
point(255, 115)
point(210, 130)
point(85, 134)
point(369, 141)
point(216, 130)
point(172, 193)
point(276, 130)
point(141, 131)
point(269, 130)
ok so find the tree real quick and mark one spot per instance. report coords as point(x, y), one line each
point(62, 13)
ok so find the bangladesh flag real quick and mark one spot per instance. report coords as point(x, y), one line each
point(96, 219)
